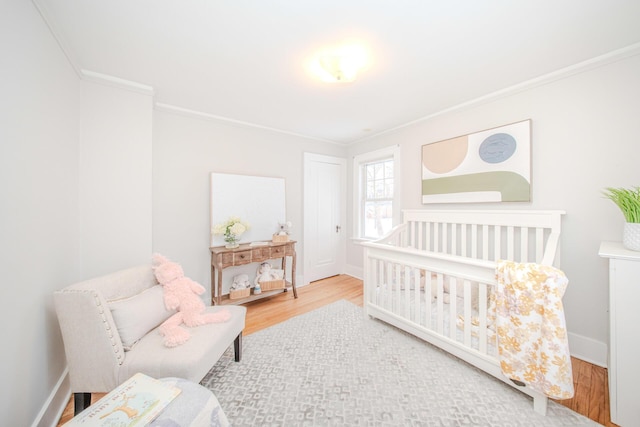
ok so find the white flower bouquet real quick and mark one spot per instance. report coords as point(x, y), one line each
point(232, 229)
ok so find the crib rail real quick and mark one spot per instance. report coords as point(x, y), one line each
point(523, 236)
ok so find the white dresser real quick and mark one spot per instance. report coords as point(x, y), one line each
point(624, 331)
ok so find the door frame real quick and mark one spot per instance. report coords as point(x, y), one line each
point(307, 194)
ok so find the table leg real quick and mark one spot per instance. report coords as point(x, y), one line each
point(219, 295)
point(293, 274)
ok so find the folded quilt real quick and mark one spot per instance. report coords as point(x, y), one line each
point(531, 328)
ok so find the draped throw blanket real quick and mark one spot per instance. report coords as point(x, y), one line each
point(531, 331)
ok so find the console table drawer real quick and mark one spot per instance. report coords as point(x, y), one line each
point(277, 251)
point(261, 254)
point(225, 260)
point(241, 257)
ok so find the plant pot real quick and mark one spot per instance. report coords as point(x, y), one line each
point(631, 236)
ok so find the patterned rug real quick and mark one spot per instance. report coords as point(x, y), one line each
point(334, 367)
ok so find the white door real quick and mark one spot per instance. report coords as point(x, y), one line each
point(324, 216)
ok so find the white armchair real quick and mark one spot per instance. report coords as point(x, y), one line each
point(102, 353)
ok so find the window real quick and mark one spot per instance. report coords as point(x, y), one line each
point(376, 187)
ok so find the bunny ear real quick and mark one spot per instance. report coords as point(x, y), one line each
point(158, 259)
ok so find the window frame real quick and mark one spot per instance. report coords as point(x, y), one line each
point(359, 190)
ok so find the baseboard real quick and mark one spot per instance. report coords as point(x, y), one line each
point(588, 349)
point(354, 271)
point(50, 414)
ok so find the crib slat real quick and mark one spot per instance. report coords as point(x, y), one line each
point(407, 292)
point(374, 280)
point(463, 240)
point(381, 283)
point(396, 303)
point(454, 239)
point(497, 242)
point(388, 287)
point(445, 238)
point(524, 244)
point(474, 241)
point(440, 308)
point(453, 309)
point(510, 244)
point(416, 287)
point(539, 244)
point(485, 242)
point(482, 315)
point(427, 242)
point(428, 295)
point(467, 313)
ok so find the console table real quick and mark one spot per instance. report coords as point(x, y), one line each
point(222, 257)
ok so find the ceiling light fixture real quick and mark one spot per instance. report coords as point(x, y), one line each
point(340, 65)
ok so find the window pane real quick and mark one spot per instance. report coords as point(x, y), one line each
point(370, 190)
point(378, 218)
point(379, 189)
point(388, 189)
point(370, 171)
point(388, 169)
point(379, 167)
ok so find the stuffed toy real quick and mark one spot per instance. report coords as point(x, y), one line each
point(266, 273)
point(181, 294)
point(241, 281)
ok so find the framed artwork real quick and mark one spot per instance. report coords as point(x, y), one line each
point(493, 165)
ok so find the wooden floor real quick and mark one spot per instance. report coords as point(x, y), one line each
point(592, 394)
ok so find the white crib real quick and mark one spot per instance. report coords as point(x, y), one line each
point(432, 276)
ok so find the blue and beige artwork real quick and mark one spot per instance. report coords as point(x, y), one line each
point(489, 166)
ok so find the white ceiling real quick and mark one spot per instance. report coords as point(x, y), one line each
point(245, 60)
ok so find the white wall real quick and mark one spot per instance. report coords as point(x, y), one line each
point(585, 137)
point(115, 178)
point(186, 150)
point(39, 232)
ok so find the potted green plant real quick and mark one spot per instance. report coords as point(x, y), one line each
point(628, 200)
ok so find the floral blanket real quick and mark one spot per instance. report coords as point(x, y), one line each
point(531, 329)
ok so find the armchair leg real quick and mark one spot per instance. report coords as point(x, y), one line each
point(81, 401)
point(237, 347)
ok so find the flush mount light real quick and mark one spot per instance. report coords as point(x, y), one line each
point(341, 64)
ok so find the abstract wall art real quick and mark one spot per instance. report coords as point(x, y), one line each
point(493, 165)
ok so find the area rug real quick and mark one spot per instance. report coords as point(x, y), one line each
point(334, 367)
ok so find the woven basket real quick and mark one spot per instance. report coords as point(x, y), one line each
point(239, 293)
point(272, 284)
point(278, 238)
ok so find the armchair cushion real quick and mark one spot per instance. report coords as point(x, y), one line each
point(135, 316)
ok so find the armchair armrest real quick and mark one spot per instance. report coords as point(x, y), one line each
point(92, 344)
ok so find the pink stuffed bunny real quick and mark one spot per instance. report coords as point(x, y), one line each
point(181, 294)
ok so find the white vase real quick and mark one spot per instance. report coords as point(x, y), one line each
point(631, 236)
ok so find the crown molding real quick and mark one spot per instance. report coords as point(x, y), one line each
point(105, 79)
point(580, 67)
point(207, 116)
point(87, 75)
point(64, 47)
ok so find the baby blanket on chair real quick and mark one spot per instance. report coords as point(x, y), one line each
point(531, 328)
